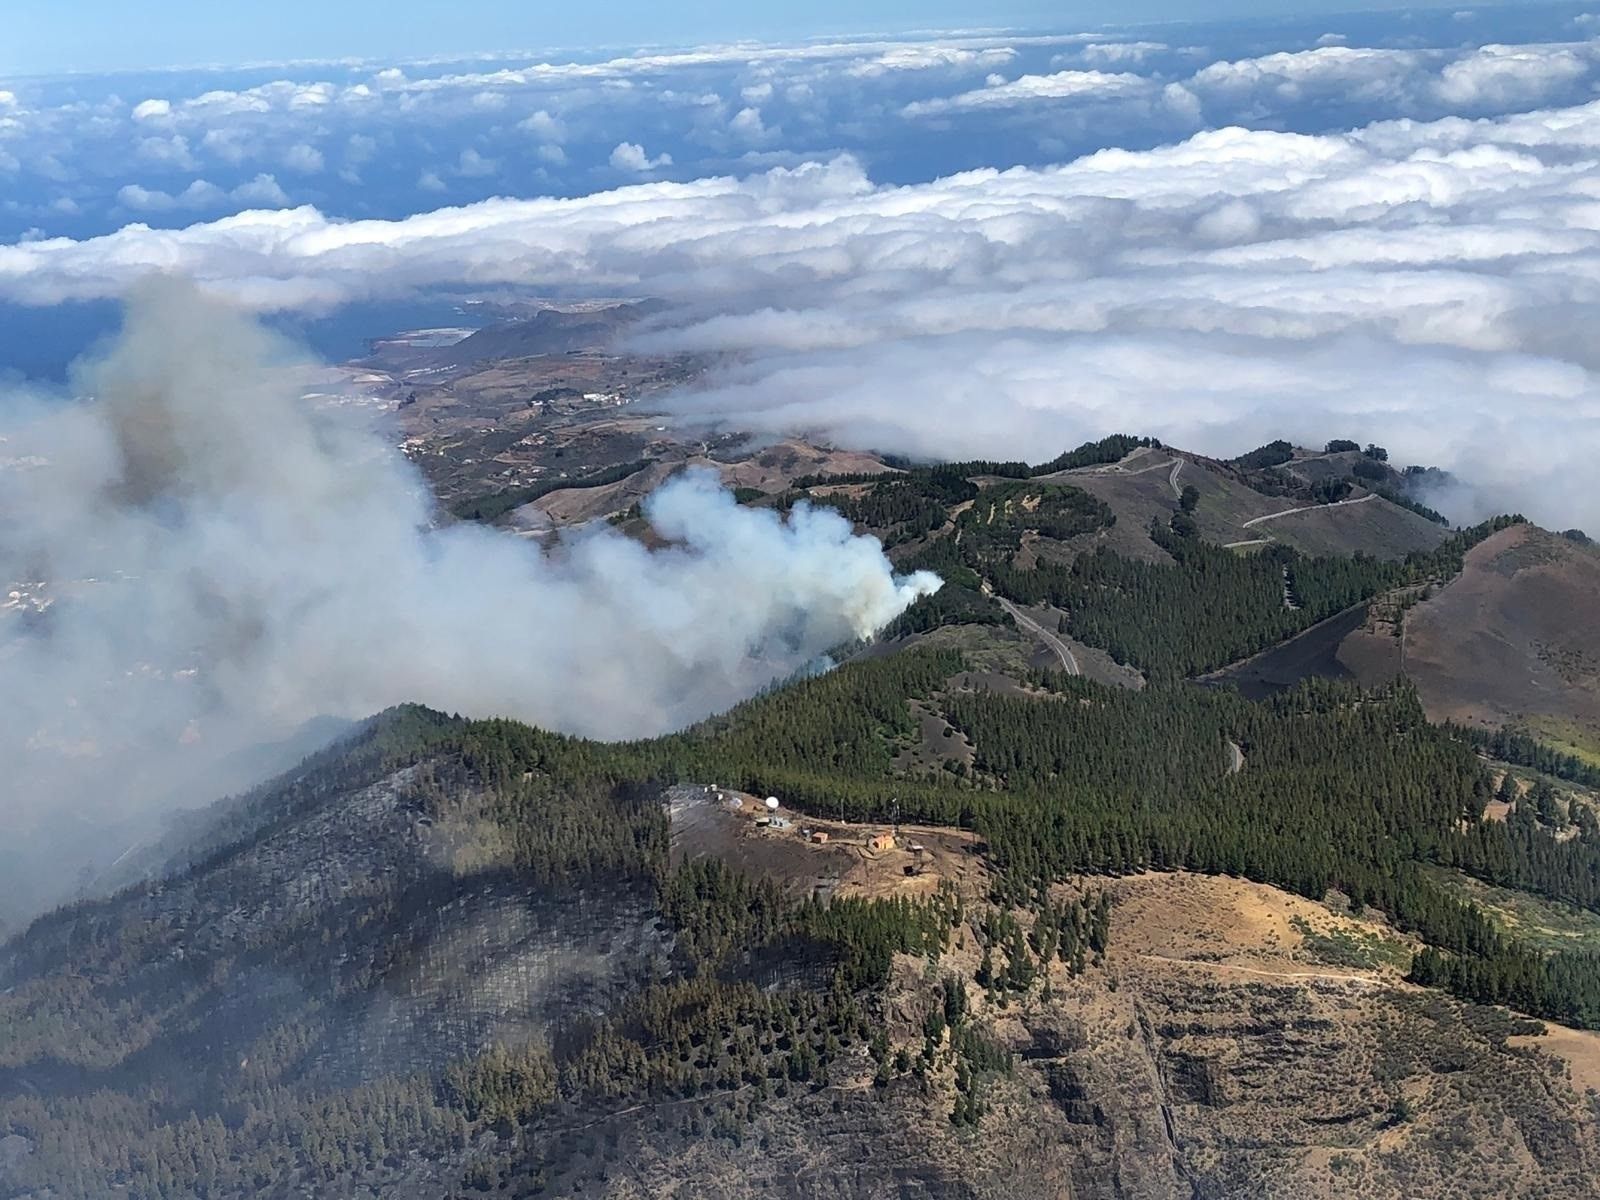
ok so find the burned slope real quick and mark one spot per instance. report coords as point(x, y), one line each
point(1514, 640)
point(368, 920)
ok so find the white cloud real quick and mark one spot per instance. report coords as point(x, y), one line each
point(1396, 282)
point(1354, 73)
point(143, 199)
point(1029, 89)
point(1409, 82)
point(171, 152)
point(151, 110)
point(473, 165)
point(229, 145)
point(544, 127)
point(931, 57)
point(261, 192)
point(630, 156)
point(747, 124)
point(1499, 77)
point(1120, 53)
point(305, 159)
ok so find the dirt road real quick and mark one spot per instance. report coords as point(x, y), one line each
point(1289, 512)
point(1326, 976)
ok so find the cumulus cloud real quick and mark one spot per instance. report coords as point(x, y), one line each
point(1119, 53)
point(927, 58)
point(1404, 82)
point(1048, 98)
point(261, 192)
point(1501, 77)
point(303, 158)
point(544, 127)
point(473, 165)
point(171, 152)
point(210, 563)
point(747, 124)
point(1029, 89)
point(630, 156)
point(152, 110)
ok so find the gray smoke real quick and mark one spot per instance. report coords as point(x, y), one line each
point(200, 564)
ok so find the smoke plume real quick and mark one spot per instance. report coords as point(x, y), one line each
point(200, 563)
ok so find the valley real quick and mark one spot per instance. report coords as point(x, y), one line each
point(1029, 894)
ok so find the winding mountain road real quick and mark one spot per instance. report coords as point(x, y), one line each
point(1068, 663)
point(1289, 512)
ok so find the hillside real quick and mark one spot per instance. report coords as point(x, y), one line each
point(1511, 641)
point(1031, 895)
point(445, 956)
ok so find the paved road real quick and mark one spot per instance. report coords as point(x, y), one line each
point(1289, 512)
point(1068, 662)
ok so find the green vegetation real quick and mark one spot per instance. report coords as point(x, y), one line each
point(1537, 922)
point(106, 1006)
point(1515, 746)
point(1231, 605)
point(1351, 946)
point(1273, 454)
point(1395, 496)
point(1344, 789)
point(1107, 450)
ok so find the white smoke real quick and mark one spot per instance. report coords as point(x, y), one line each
point(222, 563)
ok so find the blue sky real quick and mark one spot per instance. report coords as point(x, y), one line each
point(47, 36)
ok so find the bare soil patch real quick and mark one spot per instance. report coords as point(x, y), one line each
point(1514, 639)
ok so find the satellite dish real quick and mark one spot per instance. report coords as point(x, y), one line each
point(772, 803)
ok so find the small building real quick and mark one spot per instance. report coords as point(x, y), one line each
point(881, 841)
point(779, 823)
point(819, 837)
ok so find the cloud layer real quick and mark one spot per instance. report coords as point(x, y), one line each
point(1424, 284)
point(82, 155)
